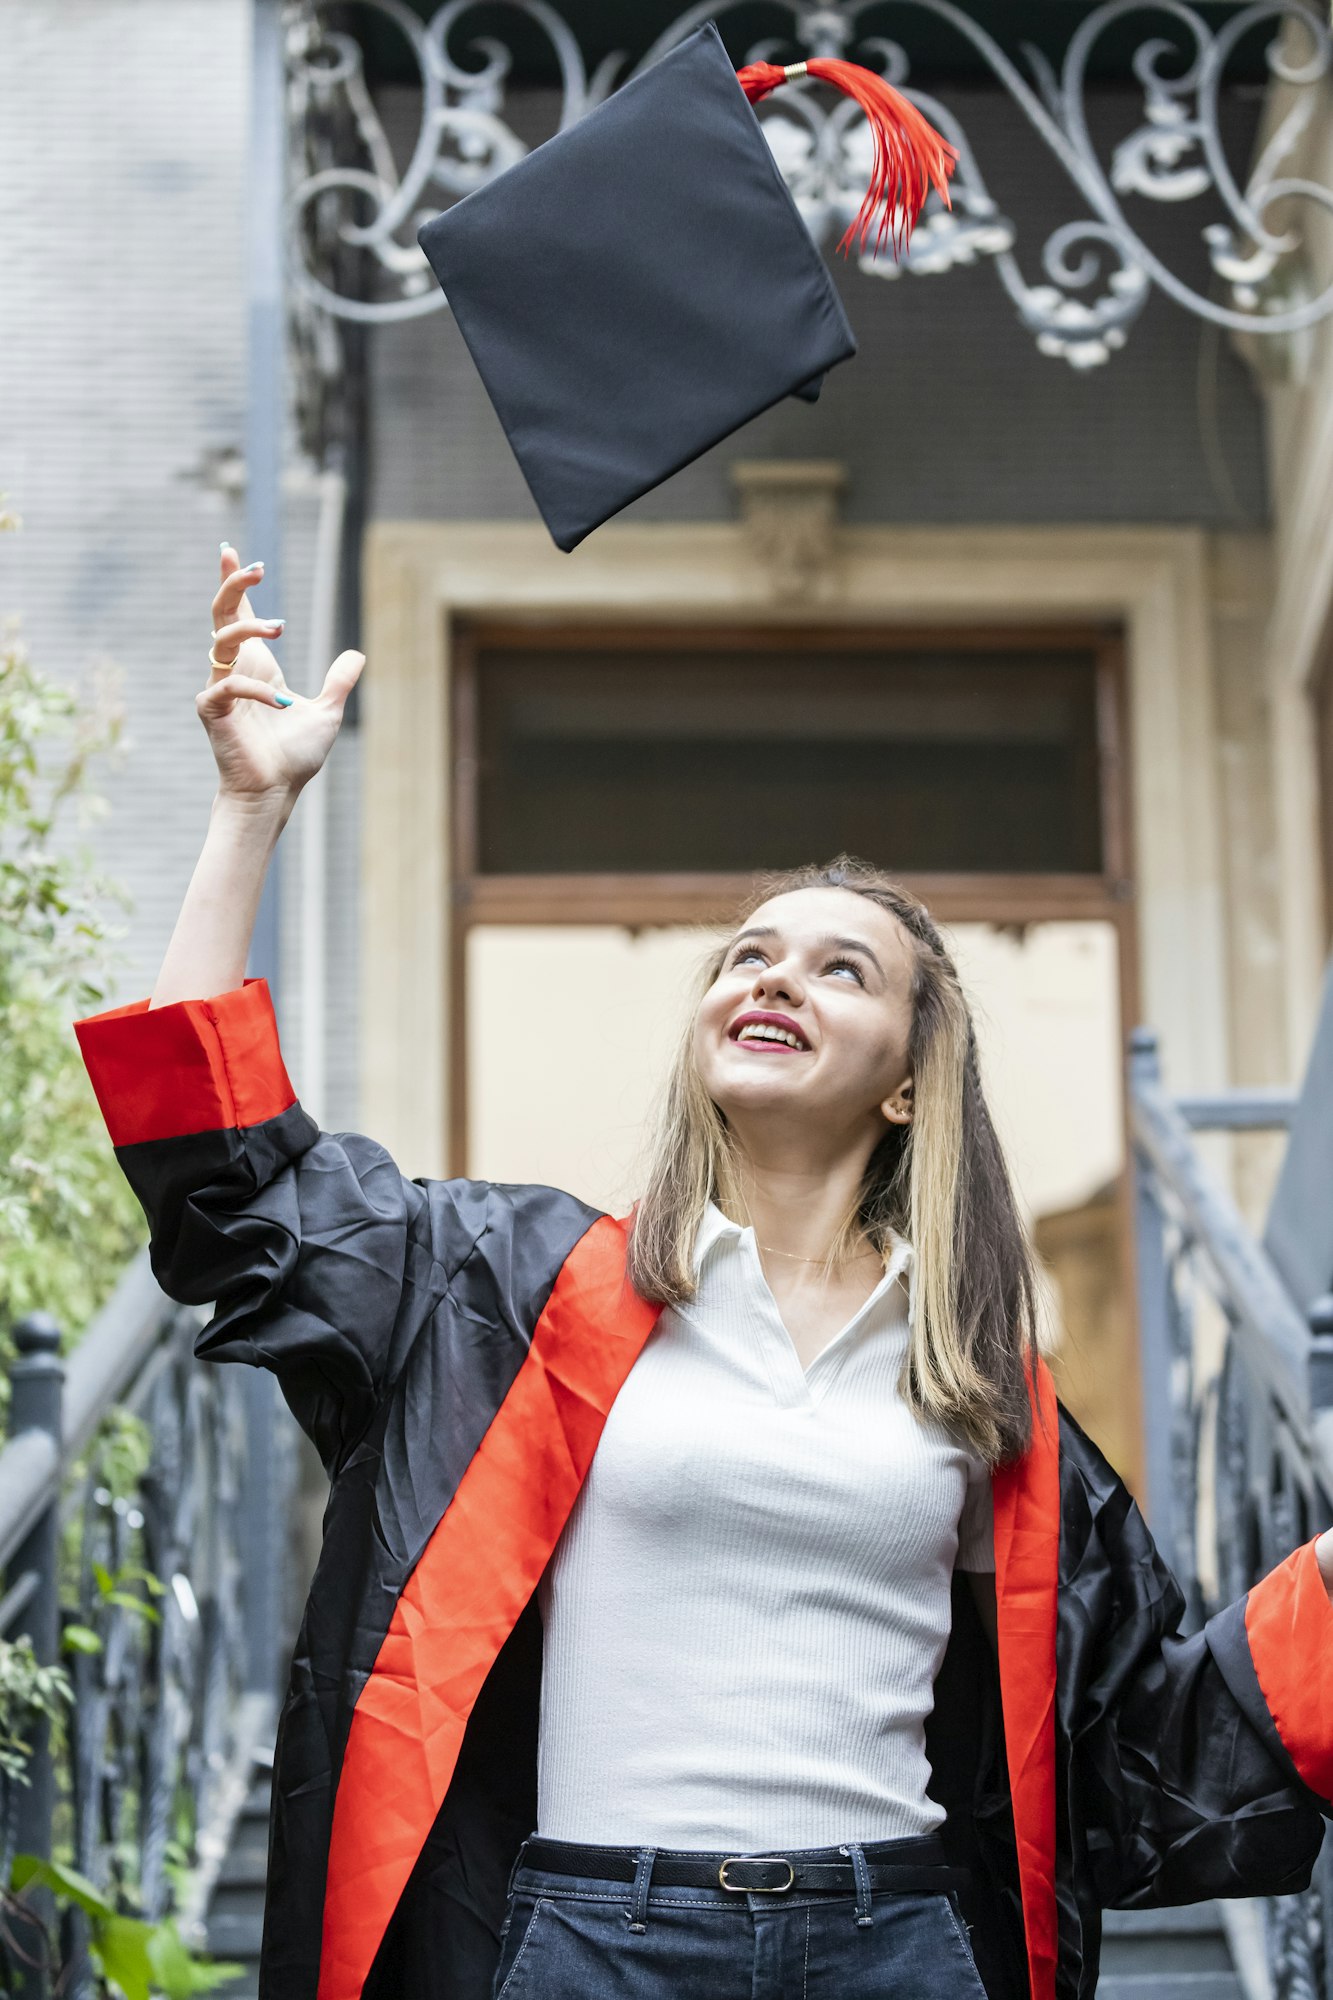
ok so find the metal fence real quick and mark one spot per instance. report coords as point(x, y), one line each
point(144, 1515)
point(1238, 1428)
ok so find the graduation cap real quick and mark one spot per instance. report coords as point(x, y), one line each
point(642, 285)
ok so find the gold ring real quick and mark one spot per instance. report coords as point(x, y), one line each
point(794, 71)
point(223, 666)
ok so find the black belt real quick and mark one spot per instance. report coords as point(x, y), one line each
point(913, 1866)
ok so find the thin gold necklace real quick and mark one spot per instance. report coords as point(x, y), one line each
point(869, 1251)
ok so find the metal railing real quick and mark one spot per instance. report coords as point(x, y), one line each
point(1238, 1428)
point(144, 1511)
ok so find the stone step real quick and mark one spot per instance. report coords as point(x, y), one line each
point(1171, 1986)
point(1138, 1923)
point(234, 1933)
point(257, 1798)
point(1159, 1951)
point(235, 1901)
point(1174, 1954)
point(245, 1864)
point(235, 1917)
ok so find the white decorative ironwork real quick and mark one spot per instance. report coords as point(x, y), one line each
point(1097, 270)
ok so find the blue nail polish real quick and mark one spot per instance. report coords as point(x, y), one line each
point(223, 547)
point(284, 700)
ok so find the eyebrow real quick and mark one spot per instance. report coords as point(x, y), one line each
point(826, 944)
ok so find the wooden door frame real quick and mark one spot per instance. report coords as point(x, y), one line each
point(641, 900)
point(420, 576)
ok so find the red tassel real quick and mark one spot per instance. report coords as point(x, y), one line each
point(910, 155)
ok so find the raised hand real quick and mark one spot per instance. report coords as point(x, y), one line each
point(267, 742)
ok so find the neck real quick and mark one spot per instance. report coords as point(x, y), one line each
point(796, 1200)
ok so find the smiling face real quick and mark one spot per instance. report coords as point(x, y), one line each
point(807, 1026)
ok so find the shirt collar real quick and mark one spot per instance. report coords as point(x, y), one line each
point(715, 1227)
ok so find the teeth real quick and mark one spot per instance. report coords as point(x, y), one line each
point(761, 1031)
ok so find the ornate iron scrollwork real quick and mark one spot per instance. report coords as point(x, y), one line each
point(348, 196)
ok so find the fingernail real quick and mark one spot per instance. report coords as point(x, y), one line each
point(276, 624)
point(284, 700)
point(223, 547)
point(253, 565)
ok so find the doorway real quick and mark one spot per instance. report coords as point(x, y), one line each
point(616, 792)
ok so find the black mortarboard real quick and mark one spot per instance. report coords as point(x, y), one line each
point(642, 285)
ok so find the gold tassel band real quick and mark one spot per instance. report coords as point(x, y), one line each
point(792, 71)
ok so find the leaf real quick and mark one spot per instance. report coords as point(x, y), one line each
point(172, 1965)
point(129, 1602)
point(175, 1968)
point(81, 1639)
point(122, 1946)
point(133, 1573)
point(216, 1972)
point(61, 1881)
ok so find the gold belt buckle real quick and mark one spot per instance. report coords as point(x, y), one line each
point(739, 1889)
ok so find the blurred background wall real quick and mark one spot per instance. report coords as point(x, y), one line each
point(1165, 518)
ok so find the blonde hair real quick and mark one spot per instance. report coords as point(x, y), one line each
point(942, 1182)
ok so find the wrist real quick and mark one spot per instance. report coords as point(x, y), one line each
point(262, 814)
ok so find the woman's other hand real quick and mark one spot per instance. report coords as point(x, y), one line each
point(267, 742)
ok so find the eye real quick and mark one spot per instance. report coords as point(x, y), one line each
point(846, 965)
point(747, 951)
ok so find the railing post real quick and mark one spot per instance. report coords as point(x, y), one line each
point(37, 1379)
point(264, 1514)
point(1320, 1317)
point(1156, 1360)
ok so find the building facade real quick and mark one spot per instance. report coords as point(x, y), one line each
point(1049, 641)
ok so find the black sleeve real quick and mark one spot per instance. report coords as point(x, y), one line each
point(1178, 1790)
point(320, 1258)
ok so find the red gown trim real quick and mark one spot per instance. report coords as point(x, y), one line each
point(193, 1066)
point(1026, 1499)
point(464, 1597)
point(1289, 1624)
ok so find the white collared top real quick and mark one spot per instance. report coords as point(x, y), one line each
point(746, 1611)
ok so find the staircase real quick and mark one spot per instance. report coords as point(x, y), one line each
point(1179, 1954)
point(235, 1913)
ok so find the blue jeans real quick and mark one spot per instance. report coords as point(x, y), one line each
point(569, 1937)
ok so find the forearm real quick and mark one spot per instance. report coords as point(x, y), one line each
point(211, 941)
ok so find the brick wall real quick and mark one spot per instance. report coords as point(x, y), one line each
point(123, 192)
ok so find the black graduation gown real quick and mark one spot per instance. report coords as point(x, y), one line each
point(452, 1348)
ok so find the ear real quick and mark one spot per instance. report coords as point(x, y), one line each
point(898, 1106)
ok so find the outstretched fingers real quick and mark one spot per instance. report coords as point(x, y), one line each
point(222, 694)
point(233, 636)
point(231, 600)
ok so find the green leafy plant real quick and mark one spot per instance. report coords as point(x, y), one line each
point(68, 1218)
point(28, 1691)
point(117, 1463)
point(134, 1956)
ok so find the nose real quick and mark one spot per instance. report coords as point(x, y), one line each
point(778, 981)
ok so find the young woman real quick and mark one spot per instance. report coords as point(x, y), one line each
point(715, 1602)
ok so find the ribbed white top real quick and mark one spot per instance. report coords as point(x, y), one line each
point(748, 1606)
